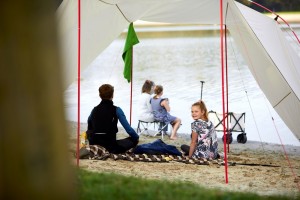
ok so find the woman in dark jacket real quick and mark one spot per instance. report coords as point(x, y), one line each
point(102, 124)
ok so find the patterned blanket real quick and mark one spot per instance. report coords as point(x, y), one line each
point(96, 152)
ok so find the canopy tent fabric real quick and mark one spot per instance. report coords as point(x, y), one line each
point(101, 23)
point(269, 56)
point(271, 60)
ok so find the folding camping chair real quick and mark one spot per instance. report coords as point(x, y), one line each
point(143, 126)
point(236, 123)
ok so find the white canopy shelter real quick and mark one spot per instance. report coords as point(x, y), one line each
point(270, 58)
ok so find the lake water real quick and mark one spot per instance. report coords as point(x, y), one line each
point(179, 59)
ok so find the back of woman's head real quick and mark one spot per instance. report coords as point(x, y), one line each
point(147, 87)
point(202, 107)
point(106, 91)
point(158, 89)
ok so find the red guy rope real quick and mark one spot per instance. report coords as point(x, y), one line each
point(277, 16)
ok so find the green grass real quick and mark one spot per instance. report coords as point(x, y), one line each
point(101, 186)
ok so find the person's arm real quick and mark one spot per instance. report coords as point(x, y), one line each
point(165, 103)
point(149, 104)
point(122, 118)
point(193, 143)
point(90, 124)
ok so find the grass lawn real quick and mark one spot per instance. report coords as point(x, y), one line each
point(98, 186)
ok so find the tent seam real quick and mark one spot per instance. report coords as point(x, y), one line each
point(123, 14)
point(106, 2)
point(282, 99)
point(118, 9)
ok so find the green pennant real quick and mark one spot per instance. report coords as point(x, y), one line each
point(127, 52)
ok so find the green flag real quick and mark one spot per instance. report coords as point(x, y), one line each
point(127, 52)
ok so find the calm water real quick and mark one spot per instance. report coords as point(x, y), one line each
point(179, 61)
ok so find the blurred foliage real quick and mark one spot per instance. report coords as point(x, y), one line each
point(274, 5)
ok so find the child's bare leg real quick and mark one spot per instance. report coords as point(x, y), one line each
point(175, 125)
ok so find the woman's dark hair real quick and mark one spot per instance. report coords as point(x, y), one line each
point(106, 91)
point(147, 86)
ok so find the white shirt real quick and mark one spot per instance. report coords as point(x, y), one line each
point(145, 109)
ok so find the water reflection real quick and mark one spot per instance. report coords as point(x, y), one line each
point(179, 60)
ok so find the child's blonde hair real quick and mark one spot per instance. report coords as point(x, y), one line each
point(158, 90)
point(202, 106)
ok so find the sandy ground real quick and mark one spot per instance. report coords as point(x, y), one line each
point(278, 178)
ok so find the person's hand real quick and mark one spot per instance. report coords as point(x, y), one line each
point(167, 100)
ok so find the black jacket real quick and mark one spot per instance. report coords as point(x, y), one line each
point(102, 125)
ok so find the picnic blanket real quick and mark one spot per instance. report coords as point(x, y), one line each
point(156, 151)
point(157, 147)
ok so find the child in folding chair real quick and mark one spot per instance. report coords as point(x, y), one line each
point(161, 111)
point(204, 138)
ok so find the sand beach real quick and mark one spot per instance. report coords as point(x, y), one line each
point(260, 168)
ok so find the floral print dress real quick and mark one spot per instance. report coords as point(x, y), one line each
point(207, 146)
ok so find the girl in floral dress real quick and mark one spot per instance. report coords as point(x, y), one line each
point(204, 138)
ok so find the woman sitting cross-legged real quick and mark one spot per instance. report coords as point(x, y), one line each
point(102, 124)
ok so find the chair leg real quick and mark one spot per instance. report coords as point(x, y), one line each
point(145, 127)
point(138, 129)
point(161, 130)
point(142, 127)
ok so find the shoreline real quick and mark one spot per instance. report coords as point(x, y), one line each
point(290, 18)
point(261, 169)
point(186, 138)
point(146, 29)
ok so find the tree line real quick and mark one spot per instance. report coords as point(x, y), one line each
point(274, 5)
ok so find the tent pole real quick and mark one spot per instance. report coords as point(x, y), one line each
point(78, 81)
point(226, 74)
point(223, 99)
point(202, 82)
point(131, 78)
